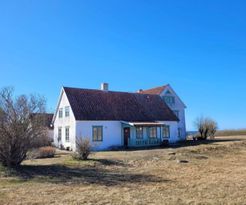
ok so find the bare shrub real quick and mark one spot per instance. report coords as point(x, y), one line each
point(42, 141)
point(20, 127)
point(206, 127)
point(83, 149)
point(46, 152)
point(42, 152)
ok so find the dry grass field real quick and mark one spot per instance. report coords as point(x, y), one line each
point(211, 173)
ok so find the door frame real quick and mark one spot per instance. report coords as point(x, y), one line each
point(126, 135)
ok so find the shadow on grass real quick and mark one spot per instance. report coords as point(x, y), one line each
point(108, 162)
point(91, 175)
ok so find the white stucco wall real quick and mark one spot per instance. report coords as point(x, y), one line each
point(63, 123)
point(178, 106)
point(112, 135)
point(173, 130)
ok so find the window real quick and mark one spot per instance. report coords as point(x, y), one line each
point(67, 134)
point(170, 100)
point(139, 132)
point(67, 111)
point(97, 133)
point(176, 112)
point(152, 132)
point(60, 112)
point(179, 132)
point(166, 131)
point(168, 92)
point(59, 134)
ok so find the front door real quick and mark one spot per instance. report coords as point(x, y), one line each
point(126, 135)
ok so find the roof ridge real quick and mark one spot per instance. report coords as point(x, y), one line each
point(103, 91)
point(156, 90)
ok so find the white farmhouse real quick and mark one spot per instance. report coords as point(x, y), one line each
point(110, 118)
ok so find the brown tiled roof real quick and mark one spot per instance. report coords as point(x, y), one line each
point(107, 105)
point(154, 91)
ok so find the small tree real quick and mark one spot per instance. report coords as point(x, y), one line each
point(83, 147)
point(206, 127)
point(20, 127)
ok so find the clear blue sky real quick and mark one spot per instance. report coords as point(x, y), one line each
point(199, 47)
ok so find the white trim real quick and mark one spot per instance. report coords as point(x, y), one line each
point(57, 106)
point(71, 113)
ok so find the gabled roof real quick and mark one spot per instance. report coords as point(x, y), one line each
point(88, 104)
point(154, 91)
point(159, 90)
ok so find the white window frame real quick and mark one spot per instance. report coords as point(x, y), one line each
point(60, 113)
point(166, 131)
point(95, 135)
point(139, 132)
point(67, 134)
point(151, 129)
point(67, 111)
point(59, 134)
point(170, 100)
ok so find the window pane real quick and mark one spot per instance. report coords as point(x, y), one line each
point(60, 113)
point(170, 100)
point(67, 133)
point(166, 131)
point(94, 133)
point(152, 132)
point(97, 132)
point(139, 132)
point(67, 111)
point(59, 134)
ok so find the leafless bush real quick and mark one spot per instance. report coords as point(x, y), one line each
point(83, 147)
point(20, 126)
point(207, 127)
point(43, 140)
point(46, 152)
point(42, 152)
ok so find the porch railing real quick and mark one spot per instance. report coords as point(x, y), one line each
point(144, 142)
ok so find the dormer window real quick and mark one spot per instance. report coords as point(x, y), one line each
point(170, 100)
